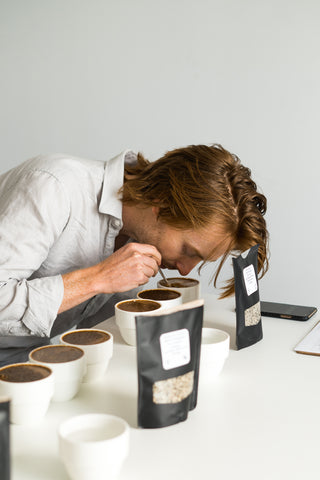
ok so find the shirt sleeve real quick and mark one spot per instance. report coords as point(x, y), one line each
point(33, 213)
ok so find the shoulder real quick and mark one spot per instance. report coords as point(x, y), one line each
point(62, 166)
point(65, 171)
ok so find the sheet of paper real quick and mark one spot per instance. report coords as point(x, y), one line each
point(311, 342)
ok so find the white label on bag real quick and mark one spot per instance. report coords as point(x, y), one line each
point(175, 348)
point(250, 279)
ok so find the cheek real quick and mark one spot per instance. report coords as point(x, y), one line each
point(169, 249)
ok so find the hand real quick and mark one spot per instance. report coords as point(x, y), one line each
point(129, 267)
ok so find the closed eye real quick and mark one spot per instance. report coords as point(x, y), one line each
point(191, 252)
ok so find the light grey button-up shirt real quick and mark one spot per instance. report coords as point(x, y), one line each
point(57, 214)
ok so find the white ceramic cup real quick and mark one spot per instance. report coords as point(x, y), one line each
point(30, 388)
point(94, 446)
point(188, 287)
point(98, 349)
point(215, 346)
point(166, 297)
point(68, 365)
point(127, 310)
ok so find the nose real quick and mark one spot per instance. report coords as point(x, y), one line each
point(185, 266)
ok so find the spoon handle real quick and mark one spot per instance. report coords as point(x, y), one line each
point(164, 277)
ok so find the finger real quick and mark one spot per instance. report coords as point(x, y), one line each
point(148, 250)
point(151, 262)
point(150, 271)
point(143, 276)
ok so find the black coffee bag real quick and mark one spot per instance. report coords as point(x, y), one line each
point(4, 440)
point(248, 314)
point(168, 357)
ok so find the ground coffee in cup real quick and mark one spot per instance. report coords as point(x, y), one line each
point(22, 373)
point(86, 337)
point(159, 294)
point(168, 353)
point(138, 305)
point(248, 314)
point(178, 282)
point(56, 354)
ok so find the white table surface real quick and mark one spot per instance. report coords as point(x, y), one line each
point(259, 420)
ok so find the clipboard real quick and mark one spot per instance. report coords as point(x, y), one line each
point(310, 344)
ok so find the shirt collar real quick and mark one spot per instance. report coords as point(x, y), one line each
point(113, 180)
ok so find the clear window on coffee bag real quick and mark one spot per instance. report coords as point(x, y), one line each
point(168, 356)
point(4, 439)
point(248, 313)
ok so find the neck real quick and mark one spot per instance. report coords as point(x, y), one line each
point(130, 218)
point(135, 218)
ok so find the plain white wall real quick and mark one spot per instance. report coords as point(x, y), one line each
point(92, 78)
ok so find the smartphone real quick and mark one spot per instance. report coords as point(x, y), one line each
point(285, 310)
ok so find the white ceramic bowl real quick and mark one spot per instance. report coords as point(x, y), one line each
point(68, 365)
point(30, 399)
point(93, 446)
point(189, 292)
point(97, 355)
point(125, 319)
point(215, 346)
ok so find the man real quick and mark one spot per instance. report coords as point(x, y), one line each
point(75, 233)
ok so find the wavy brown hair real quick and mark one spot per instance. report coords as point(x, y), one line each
point(198, 185)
